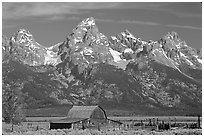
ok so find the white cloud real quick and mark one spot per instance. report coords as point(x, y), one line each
point(184, 27)
point(149, 23)
point(58, 17)
point(104, 20)
point(29, 9)
point(20, 10)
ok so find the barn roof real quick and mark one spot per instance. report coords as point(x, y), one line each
point(68, 120)
point(82, 111)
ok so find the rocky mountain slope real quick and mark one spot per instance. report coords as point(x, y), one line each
point(122, 71)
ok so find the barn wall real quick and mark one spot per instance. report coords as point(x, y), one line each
point(60, 125)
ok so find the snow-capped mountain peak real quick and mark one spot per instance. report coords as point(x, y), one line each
point(22, 36)
point(88, 22)
point(128, 34)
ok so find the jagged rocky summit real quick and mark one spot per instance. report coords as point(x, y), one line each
point(89, 68)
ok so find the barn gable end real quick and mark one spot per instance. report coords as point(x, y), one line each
point(94, 112)
point(98, 113)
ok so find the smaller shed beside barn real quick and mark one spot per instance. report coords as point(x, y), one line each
point(82, 117)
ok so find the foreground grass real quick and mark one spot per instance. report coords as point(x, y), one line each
point(106, 132)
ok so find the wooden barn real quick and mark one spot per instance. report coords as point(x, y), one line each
point(83, 117)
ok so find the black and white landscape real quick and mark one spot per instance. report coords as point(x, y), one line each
point(122, 73)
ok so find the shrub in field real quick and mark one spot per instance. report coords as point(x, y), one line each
point(66, 131)
point(187, 132)
point(96, 132)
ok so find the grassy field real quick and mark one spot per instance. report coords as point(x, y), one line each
point(40, 125)
point(24, 130)
point(178, 119)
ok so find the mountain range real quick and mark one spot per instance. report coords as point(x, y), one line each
point(117, 72)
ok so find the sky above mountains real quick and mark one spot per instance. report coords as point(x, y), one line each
point(52, 22)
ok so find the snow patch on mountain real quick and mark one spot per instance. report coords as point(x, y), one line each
point(160, 56)
point(128, 50)
point(123, 33)
point(181, 54)
point(114, 38)
point(76, 40)
point(115, 54)
point(123, 45)
point(51, 58)
point(190, 63)
point(199, 60)
point(187, 60)
point(88, 51)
